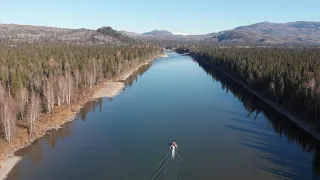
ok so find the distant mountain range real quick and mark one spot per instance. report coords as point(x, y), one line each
point(299, 32)
point(158, 33)
point(28, 33)
point(290, 33)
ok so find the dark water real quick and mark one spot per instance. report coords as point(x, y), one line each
point(222, 132)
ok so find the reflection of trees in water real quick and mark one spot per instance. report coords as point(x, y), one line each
point(134, 76)
point(61, 133)
point(90, 106)
point(281, 125)
point(100, 104)
point(34, 150)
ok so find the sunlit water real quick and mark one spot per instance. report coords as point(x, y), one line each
point(223, 133)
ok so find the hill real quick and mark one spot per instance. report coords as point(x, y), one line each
point(300, 32)
point(109, 32)
point(290, 33)
point(158, 33)
point(29, 33)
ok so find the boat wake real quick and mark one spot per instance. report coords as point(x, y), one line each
point(176, 159)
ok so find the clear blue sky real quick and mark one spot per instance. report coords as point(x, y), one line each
point(184, 16)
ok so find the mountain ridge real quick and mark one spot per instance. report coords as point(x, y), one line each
point(158, 33)
point(44, 34)
point(296, 32)
point(289, 33)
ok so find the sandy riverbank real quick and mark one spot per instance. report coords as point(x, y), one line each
point(127, 74)
point(113, 88)
point(164, 56)
point(58, 118)
point(306, 127)
point(110, 89)
point(8, 164)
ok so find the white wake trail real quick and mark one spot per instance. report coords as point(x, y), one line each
point(173, 152)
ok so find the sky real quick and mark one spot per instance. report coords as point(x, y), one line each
point(177, 16)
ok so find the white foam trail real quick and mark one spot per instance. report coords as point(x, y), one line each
point(173, 153)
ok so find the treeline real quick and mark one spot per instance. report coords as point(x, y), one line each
point(35, 78)
point(287, 76)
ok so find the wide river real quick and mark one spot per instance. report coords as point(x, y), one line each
point(222, 132)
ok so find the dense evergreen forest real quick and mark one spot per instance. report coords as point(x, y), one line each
point(288, 76)
point(34, 78)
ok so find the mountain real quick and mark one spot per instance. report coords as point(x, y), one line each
point(158, 33)
point(29, 33)
point(290, 33)
point(109, 32)
point(299, 32)
point(130, 34)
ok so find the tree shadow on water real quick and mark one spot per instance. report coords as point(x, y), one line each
point(245, 130)
point(280, 173)
point(284, 161)
point(291, 152)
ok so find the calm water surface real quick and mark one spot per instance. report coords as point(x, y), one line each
point(223, 132)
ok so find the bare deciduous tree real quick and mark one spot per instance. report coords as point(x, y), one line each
point(6, 115)
point(48, 94)
point(23, 99)
point(64, 89)
point(33, 112)
point(68, 88)
point(59, 90)
point(6, 120)
point(69, 82)
point(92, 74)
point(2, 91)
point(77, 77)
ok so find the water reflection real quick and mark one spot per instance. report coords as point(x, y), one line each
point(135, 75)
point(283, 164)
point(90, 106)
point(34, 150)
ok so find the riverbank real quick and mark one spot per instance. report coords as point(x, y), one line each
point(128, 74)
point(8, 164)
point(113, 88)
point(299, 122)
point(110, 89)
point(58, 118)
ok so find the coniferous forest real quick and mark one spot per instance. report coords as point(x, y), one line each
point(34, 78)
point(287, 76)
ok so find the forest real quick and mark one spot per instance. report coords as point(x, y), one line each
point(287, 76)
point(35, 78)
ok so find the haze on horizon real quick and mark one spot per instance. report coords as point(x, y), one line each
point(184, 17)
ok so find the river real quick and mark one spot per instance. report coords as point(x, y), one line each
point(222, 132)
